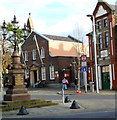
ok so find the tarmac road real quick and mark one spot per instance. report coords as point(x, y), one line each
point(92, 105)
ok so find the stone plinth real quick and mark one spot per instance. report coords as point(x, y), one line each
point(16, 88)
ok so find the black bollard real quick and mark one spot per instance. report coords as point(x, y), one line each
point(22, 111)
point(75, 105)
point(67, 100)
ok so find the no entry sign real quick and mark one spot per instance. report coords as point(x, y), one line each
point(83, 58)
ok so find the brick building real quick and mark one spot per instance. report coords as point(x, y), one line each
point(49, 58)
point(105, 17)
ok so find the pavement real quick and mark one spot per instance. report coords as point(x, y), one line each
point(86, 104)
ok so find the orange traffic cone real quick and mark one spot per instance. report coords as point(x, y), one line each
point(79, 91)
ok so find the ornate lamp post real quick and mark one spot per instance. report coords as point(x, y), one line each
point(15, 27)
point(16, 88)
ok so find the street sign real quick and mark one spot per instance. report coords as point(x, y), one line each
point(84, 69)
point(84, 63)
point(83, 58)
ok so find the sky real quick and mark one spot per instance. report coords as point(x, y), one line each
point(53, 17)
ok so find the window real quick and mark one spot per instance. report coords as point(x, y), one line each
point(100, 42)
point(99, 24)
point(42, 53)
point(106, 40)
point(43, 73)
point(105, 22)
point(26, 56)
point(51, 68)
point(34, 54)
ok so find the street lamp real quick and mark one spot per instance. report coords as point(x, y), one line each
point(15, 27)
point(95, 50)
point(15, 23)
point(4, 29)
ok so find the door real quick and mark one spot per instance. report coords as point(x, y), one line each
point(105, 81)
point(35, 76)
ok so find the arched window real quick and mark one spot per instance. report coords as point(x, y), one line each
point(34, 54)
point(26, 55)
point(51, 69)
point(43, 73)
point(42, 52)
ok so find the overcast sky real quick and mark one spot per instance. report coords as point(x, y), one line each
point(56, 17)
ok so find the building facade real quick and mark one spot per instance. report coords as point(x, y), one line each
point(105, 18)
point(49, 58)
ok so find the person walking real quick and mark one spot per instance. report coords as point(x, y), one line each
point(76, 84)
point(64, 84)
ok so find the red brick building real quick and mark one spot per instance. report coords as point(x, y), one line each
point(105, 18)
point(49, 58)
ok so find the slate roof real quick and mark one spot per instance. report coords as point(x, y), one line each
point(113, 6)
point(61, 38)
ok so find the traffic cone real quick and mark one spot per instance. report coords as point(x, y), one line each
point(67, 100)
point(75, 105)
point(79, 91)
point(22, 111)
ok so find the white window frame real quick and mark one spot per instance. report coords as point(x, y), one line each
point(105, 22)
point(100, 41)
point(43, 73)
point(26, 55)
point(51, 69)
point(42, 52)
point(99, 25)
point(106, 39)
point(33, 54)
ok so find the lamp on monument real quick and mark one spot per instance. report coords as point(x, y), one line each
point(4, 29)
point(15, 23)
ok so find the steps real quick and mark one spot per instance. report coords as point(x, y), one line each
point(34, 103)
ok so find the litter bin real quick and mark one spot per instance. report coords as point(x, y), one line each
point(91, 86)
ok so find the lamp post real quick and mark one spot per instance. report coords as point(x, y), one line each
point(95, 51)
point(16, 88)
point(15, 27)
point(4, 29)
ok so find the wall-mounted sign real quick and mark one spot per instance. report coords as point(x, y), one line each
point(104, 53)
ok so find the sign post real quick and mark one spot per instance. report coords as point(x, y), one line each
point(84, 70)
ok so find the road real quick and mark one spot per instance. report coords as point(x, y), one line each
point(93, 105)
point(100, 114)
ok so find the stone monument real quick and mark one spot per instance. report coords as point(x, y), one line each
point(16, 88)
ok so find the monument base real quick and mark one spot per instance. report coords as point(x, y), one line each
point(17, 93)
point(16, 97)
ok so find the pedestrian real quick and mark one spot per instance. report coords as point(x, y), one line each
point(27, 82)
point(64, 84)
point(76, 84)
point(36, 85)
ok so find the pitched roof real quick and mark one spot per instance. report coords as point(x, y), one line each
point(61, 38)
point(112, 7)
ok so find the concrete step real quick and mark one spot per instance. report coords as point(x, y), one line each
point(35, 103)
